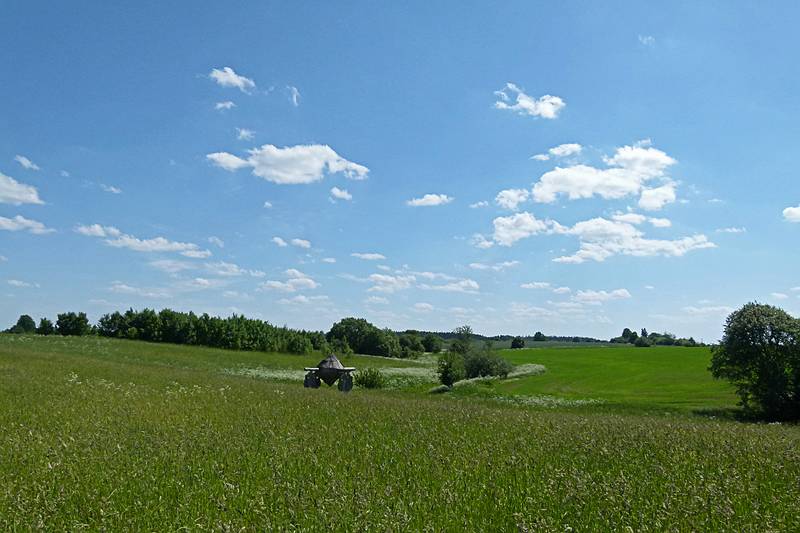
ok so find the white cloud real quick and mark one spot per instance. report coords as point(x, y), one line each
point(562, 150)
point(22, 284)
point(464, 285)
point(591, 296)
point(291, 164)
point(301, 243)
point(562, 290)
point(647, 40)
point(171, 266)
point(497, 267)
point(657, 198)
point(123, 288)
point(228, 78)
point(302, 299)
point(476, 205)
point(511, 198)
point(792, 214)
point(630, 169)
point(16, 193)
point(280, 242)
point(601, 238)
point(227, 104)
point(536, 285)
point(328, 260)
point(479, 241)
point(430, 200)
point(3, 259)
point(732, 230)
point(660, 222)
point(294, 95)
point(20, 223)
point(508, 230)
point(368, 256)
point(389, 284)
point(546, 106)
point(216, 241)
point(376, 300)
point(64, 174)
point(222, 268)
point(110, 189)
point(243, 134)
point(341, 194)
point(26, 163)
point(708, 310)
point(117, 239)
point(296, 281)
point(423, 307)
point(779, 295)
point(267, 205)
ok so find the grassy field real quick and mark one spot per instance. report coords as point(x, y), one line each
point(116, 435)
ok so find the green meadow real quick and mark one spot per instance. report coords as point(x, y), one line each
point(103, 434)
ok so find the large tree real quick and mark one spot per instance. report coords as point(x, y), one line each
point(760, 354)
point(25, 324)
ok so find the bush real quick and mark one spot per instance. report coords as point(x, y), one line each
point(439, 389)
point(642, 342)
point(760, 354)
point(45, 327)
point(450, 368)
point(369, 378)
point(539, 337)
point(517, 343)
point(485, 363)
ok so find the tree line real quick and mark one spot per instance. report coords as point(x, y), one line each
point(645, 339)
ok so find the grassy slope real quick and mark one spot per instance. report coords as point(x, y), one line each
point(656, 377)
point(116, 435)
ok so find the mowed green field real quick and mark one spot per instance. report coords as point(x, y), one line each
point(659, 377)
point(113, 435)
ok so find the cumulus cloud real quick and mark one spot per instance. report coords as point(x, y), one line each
point(370, 256)
point(227, 77)
point(294, 95)
point(221, 106)
point(546, 106)
point(216, 241)
point(629, 172)
point(328, 260)
point(562, 290)
point(376, 300)
point(423, 307)
point(301, 243)
point(779, 295)
point(267, 205)
point(340, 194)
point(20, 223)
point(511, 198)
point(716, 310)
point(280, 242)
point(647, 40)
point(792, 214)
point(123, 288)
point(591, 296)
point(291, 164)
point(225, 269)
point(536, 285)
point(732, 230)
point(114, 237)
point(110, 189)
point(479, 241)
point(430, 200)
point(389, 284)
point(296, 281)
point(562, 150)
point(22, 284)
point(464, 285)
point(26, 163)
point(171, 266)
point(16, 193)
point(476, 205)
point(510, 229)
point(303, 299)
point(496, 267)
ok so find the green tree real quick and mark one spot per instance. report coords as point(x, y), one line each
point(450, 368)
point(539, 337)
point(25, 324)
point(432, 343)
point(45, 327)
point(72, 323)
point(644, 333)
point(463, 341)
point(760, 354)
point(517, 342)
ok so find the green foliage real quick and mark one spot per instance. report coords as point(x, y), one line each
point(46, 327)
point(299, 344)
point(485, 363)
point(517, 343)
point(539, 337)
point(73, 324)
point(25, 324)
point(432, 343)
point(369, 378)
point(340, 347)
point(364, 338)
point(410, 344)
point(642, 342)
point(450, 368)
point(463, 341)
point(760, 354)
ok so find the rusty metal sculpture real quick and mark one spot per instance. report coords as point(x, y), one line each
point(330, 370)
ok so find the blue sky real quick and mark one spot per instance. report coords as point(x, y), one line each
point(571, 168)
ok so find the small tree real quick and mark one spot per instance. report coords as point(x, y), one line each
point(644, 333)
point(45, 327)
point(450, 368)
point(517, 343)
point(25, 324)
point(760, 354)
point(432, 343)
point(463, 340)
point(539, 337)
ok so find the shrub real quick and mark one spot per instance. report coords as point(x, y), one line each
point(369, 378)
point(450, 368)
point(485, 363)
point(517, 343)
point(432, 343)
point(642, 342)
point(539, 337)
point(760, 354)
point(439, 389)
point(45, 327)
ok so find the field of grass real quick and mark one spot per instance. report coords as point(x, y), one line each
point(117, 435)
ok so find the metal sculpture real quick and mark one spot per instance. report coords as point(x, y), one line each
point(330, 370)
